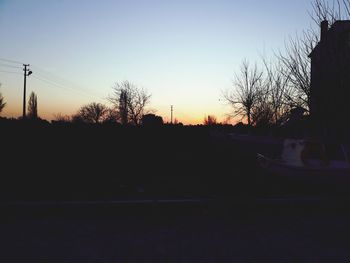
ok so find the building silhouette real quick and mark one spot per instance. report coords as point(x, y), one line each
point(152, 120)
point(330, 78)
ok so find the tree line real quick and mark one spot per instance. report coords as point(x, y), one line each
point(2, 102)
point(129, 104)
point(128, 107)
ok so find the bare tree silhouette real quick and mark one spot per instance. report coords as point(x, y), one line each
point(130, 102)
point(111, 116)
point(2, 102)
point(262, 114)
point(33, 106)
point(278, 90)
point(297, 67)
point(331, 11)
point(91, 113)
point(247, 91)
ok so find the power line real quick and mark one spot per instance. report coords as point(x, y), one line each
point(46, 74)
point(9, 66)
point(10, 72)
point(11, 61)
point(67, 87)
point(51, 82)
point(47, 77)
point(61, 81)
point(62, 87)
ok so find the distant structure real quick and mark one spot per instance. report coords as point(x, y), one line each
point(330, 78)
point(152, 120)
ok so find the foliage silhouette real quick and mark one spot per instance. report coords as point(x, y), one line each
point(62, 118)
point(210, 120)
point(33, 106)
point(152, 120)
point(2, 102)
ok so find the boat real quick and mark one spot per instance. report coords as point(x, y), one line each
point(308, 158)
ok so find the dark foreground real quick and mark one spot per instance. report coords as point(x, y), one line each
point(93, 194)
point(207, 232)
point(77, 163)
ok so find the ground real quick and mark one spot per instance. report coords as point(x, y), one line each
point(60, 188)
point(179, 234)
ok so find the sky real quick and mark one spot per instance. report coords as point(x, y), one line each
point(183, 52)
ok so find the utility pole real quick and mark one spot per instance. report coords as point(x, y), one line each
point(27, 72)
point(171, 118)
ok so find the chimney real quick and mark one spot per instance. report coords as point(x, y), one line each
point(324, 29)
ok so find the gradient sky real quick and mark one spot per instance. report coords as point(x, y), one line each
point(183, 52)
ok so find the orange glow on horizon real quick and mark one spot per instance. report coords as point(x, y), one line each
point(49, 115)
point(188, 115)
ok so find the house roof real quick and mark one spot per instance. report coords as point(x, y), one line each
point(337, 27)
